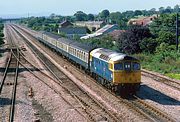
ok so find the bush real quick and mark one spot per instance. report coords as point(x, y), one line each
point(165, 60)
point(1, 41)
point(1, 34)
point(166, 37)
point(148, 45)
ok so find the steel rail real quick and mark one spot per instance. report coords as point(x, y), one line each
point(169, 82)
point(154, 110)
point(5, 73)
point(12, 108)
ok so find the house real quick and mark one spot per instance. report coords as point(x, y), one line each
point(72, 31)
point(104, 30)
point(65, 24)
point(144, 21)
point(91, 25)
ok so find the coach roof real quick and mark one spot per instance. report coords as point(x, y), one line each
point(52, 35)
point(75, 44)
point(82, 46)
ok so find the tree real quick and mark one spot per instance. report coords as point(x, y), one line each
point(152, 11)
point(168, 10)
point(52, 16)
point(166, 37)
point(161, 10)
point(129, 41)
point(104, 14)
point(128, 14)
point(176, 8)
point(80, 16)
point(90, 17)
point(148, 45)
point(137, 12)
point(115, 17)
point(1, 20)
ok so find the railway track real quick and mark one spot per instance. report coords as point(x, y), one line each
point(10, 73)
point(148, 111)
point(170, 82)
point(156, 113)
point(94, 109)
point(10, 70)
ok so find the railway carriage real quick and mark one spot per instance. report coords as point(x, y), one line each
point(80, 54)
point(50, 39)
point(63, 46)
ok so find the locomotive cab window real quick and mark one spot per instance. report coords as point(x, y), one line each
point(127, 66)
point(118, 66)
point(136, 66)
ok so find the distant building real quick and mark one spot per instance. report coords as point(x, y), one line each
point(144, 21)
point(72, 31)
point(104, 30)
point(65, 24)
point(91, 25)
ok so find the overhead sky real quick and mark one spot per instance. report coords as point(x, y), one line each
point(69, 7)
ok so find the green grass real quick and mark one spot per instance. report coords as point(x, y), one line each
point(174, 76)
point(167, 63)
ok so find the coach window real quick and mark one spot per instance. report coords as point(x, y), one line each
point(69, 49)
point(84, 56)
point(81, 54)
point(78, 53)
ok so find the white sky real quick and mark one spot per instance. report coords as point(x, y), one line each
point(69, 7)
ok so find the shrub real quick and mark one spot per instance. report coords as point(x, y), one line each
point(1, 34)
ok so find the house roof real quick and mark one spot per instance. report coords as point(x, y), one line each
point(105, 28)
point(90, 22)
point(142, 20)
point(66, 22)
point(74, 30)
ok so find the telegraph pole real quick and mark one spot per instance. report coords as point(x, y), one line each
point(177, 32)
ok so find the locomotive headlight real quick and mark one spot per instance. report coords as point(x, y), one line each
point(127, 66)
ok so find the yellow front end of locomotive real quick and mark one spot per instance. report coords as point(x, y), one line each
point(125, 72)
point(120, 77)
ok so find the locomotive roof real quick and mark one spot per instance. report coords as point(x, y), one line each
point(109, 55)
